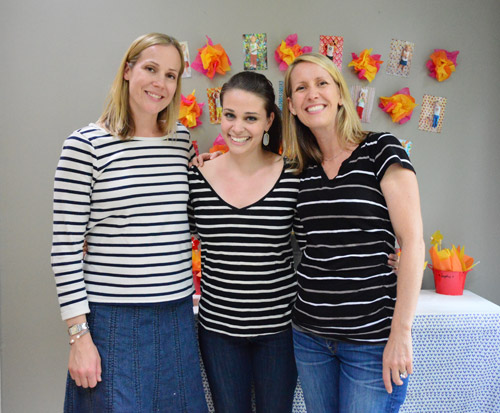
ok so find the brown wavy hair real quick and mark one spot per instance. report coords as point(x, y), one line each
point(260, 86)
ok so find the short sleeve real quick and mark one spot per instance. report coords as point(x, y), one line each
point(388, 150)
point(298, 231)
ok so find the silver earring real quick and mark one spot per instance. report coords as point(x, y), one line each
point(265, 139)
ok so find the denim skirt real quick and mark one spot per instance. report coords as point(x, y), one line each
point(149, 359)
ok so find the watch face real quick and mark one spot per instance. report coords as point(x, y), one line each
point(77, 328)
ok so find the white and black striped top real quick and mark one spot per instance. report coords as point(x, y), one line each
point(346, 290)
point(248, 280)
point(129, 200)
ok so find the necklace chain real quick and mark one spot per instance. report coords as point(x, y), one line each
point(333, 157)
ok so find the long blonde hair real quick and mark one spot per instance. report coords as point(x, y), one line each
point(300, 145)
point(117, 117)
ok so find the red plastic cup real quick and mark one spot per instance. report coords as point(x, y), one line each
point(449, 282)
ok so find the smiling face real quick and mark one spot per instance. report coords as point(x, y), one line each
point(152, 81)
point(315, 97)
point(244, 121)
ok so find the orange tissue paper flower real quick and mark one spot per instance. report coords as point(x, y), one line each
point(190, 111)
point(211, 59)
point(219, 145)
point(196, 255)
point(366, 65)
point(442, 64)
point(196, 264)
point(288, 51)
point(400, 105)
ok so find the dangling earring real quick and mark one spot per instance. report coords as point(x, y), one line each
point(265, 139)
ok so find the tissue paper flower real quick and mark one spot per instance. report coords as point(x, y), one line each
point(196, 255)
point(219, 145)
point(190, 111)
point(288, 50)
point(449, 260)
point(365, 64)
point(196, 264)
point(211, 59)
point(442, 64)
point(400, 105)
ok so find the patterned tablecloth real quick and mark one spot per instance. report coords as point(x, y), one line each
point(456, 348)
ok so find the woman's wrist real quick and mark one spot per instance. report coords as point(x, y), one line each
point(401, 327)
point(77, 328)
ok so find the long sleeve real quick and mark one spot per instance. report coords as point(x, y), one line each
point(128, 199)
point(72, 194)
point(190, 209)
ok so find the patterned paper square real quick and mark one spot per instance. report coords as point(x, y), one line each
point(214, 105)
point(332, 47)
point(363, 97)
point(407, 145)
point(280, 94)
point(255, 51)
point(432, 113)
point(400, 58)
point(187, 62)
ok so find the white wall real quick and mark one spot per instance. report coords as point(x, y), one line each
point(58, 58)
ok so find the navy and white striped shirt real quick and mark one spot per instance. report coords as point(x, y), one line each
point(129, 200)
point(346, 290)
point(248, 279)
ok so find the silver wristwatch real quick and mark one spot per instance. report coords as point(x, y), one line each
point(77, 328)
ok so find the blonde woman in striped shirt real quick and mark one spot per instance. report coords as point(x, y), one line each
point(358, 194)
point(121, 184)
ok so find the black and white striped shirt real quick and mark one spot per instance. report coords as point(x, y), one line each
point(129, 200)
point(248, 280)
point(346, 290)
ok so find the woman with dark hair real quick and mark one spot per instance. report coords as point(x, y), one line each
point(242, 207)
point(358, 195)
point(121, 184)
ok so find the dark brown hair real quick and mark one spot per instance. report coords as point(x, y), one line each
point(261, 86)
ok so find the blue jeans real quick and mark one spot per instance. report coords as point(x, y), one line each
point(232, 363)
point(435, 120)
point(343, 377)
point(149, 359)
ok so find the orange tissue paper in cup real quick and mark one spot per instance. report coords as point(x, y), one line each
point(449, 266)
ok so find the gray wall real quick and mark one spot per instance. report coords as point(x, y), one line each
point(58, 58)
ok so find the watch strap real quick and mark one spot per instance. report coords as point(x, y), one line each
point(77, 328)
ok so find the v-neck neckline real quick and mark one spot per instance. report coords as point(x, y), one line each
point(246, 206)
point(323, 172)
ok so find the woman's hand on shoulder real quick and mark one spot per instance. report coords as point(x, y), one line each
point(200, 159)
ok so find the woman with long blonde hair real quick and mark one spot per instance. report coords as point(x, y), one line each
point(358, 195)
point(121, 184)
